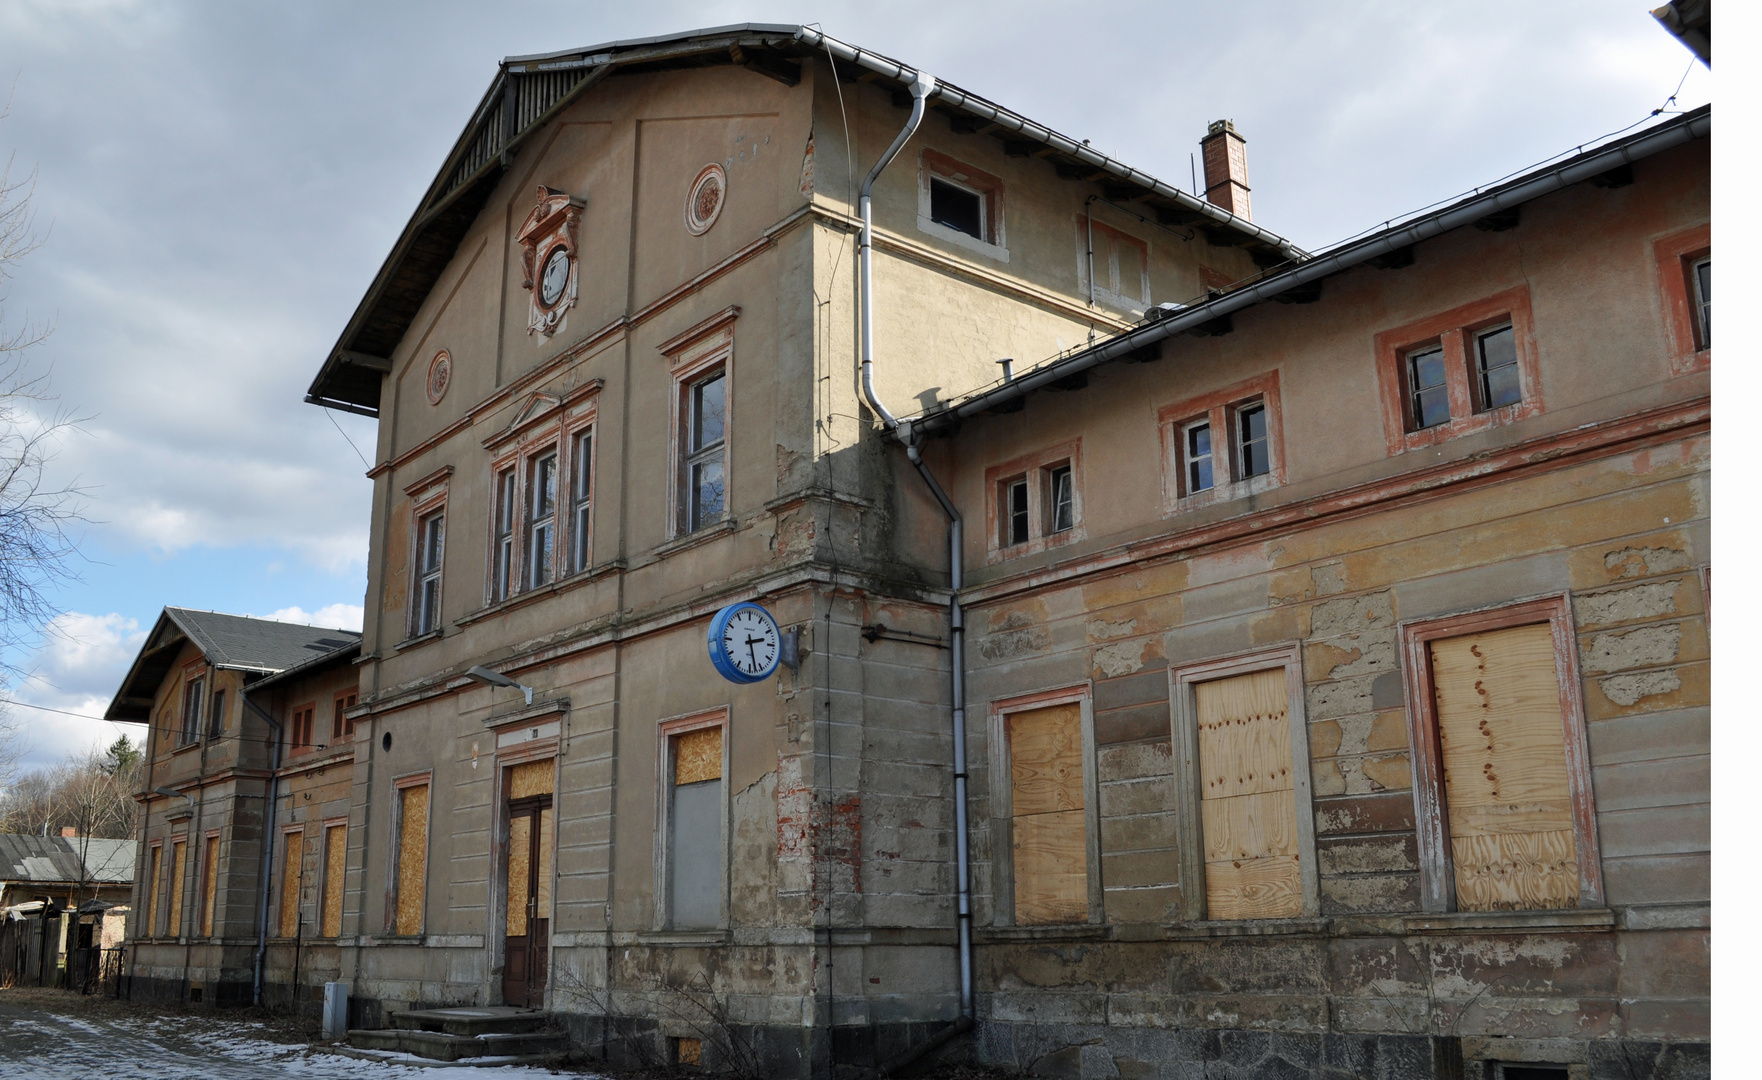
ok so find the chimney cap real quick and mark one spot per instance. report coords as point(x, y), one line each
point(1219, 127)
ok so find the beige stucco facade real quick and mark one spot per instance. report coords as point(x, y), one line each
point(1581, 506)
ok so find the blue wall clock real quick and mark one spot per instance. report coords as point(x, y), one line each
point(745, 644)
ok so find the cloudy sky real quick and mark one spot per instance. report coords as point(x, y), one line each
point(217, 183)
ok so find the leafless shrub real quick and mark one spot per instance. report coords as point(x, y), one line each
point(36, 514)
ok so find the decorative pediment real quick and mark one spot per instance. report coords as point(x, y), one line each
point(550, 258)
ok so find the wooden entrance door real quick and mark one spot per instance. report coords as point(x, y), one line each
point(531, 825)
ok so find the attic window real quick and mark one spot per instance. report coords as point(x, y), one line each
point(957, 207)
point(961, 204)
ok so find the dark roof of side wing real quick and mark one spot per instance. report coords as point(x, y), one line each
point(229, 642)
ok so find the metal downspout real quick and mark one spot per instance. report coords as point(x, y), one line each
point(268, 849)
point(922, 86)
point(957, 635)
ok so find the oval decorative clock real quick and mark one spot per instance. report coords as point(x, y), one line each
point(745, 644)
point(555, 278)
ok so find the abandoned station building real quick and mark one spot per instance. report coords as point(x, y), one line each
point(1319, 685)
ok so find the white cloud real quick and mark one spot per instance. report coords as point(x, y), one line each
point(330, 616)
point(76, 670)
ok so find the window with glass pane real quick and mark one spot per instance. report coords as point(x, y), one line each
point(1429, 397)
point(1060, 512)
point(1015, 515)
point(1703, 282)
point(957, 208)
point(1251, 436)
point(541, 519)
point(1196, 445)
point(193, 692)
point(503, 570)
point(217, 714)
point(1496, 364)
point(430, 536)
point(580, 494)
point(705, 431)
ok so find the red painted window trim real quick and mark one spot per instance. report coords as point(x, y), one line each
point(1219, 408)
point(1033, 467)
point(1436, 875)
point(1673, 254)
point(1454, 329)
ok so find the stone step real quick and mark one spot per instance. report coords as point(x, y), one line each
point(443, 1046)
point(470, 1020)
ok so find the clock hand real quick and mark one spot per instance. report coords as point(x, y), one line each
point(751, 654)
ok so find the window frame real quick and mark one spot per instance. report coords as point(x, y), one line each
point(692, 456)
point(1184, 733)
point(1002, 800)
point(1035, 471)
point(216, 711)
point(1455, 331)
point(1675, 255)
point(665, 731)
point(579, 531)
point(1436, 871)
point(535, 521)
point(342, 728)
point(421, 574)
point(933, 164)
point(395, 848)
point(692, 356)
point(192, 706)
point(504, 509)
point(302, 741)
point(1050, 475)
point(1221, 410)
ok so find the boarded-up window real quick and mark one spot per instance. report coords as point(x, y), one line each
point(158, 883)
point(1247, 797)
point(291, 861)
point(330, 916)
point(694, 844)
point(176, 926)
point(210, 885)
point(1047, 815)
point(1507, 801)
point(412, 857)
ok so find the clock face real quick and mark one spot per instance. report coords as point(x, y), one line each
point(556, 276)
point(750, 642)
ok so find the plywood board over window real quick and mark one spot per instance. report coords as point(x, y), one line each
point(412, 858)
point(330, 916)
point(1043, 743)
point(176, 926)
point(210, 883)
point(1501, 766)
point(1246, 826)
point(156, 883)
point(291, 861)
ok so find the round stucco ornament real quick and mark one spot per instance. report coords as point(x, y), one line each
point(708, 192)
point(440, 376)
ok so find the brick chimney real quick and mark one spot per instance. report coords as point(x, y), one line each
point(69, 830)
point(1226, 168)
